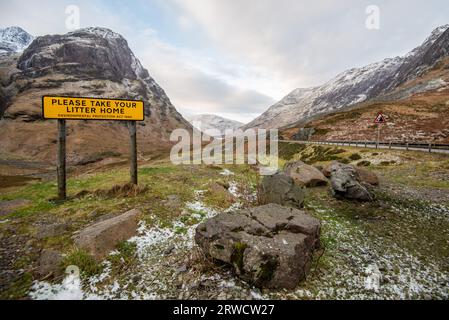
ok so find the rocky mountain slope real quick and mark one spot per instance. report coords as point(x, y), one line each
point(360, 84)
point(92, 62)
point(14, 39)
point(414, 111)
point(204, 122)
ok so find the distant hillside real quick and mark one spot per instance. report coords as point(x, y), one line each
point(209, 121)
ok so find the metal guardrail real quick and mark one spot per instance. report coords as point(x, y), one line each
point(429, 147)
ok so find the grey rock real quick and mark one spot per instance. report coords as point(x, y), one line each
point(102, 237)
point(305, 175)
point(367, 176)
point(49, 263)
point(269, 246)
point(281, 189)
point(346, 183)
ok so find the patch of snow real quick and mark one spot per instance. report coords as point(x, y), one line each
point(227, 172)
point(372, 281)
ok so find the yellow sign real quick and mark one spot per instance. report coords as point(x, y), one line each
point(92, 109)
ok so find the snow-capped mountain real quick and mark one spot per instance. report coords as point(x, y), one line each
point(356, 85)
point(14, 39)
point(90, 62)
point(206, 122)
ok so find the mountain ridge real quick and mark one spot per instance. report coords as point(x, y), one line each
point(355, 85)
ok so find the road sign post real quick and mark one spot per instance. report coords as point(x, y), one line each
point(78, 108)
point(380, 119)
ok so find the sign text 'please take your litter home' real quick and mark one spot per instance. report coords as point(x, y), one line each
point(92, 109)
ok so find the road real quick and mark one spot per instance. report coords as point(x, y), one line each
point(439, 148)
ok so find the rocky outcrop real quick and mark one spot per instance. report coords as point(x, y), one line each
point(102, 237)
point(346, 183)
point(269, 246)
point(305, 175)
point(281, 189)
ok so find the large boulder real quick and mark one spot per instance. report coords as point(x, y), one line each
point(305, 175)
point(326, 171)
point(102, 237)
point(269, 246)
point(346, 183)
point(281, 189)
point(367, 176)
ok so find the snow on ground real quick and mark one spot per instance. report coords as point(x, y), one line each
point(154, 275)
point(359, 265)
point(370, 268)
point(227, 172)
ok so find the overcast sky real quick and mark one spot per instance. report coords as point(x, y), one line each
point(235, 58)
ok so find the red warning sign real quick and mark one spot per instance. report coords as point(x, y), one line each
point(380, 119)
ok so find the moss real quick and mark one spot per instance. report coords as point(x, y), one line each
point(84, 261)
point(237, 255)
point(387, 163)
point(266, 270)
point(364, 163)
point(355, 157)
point(19, 288)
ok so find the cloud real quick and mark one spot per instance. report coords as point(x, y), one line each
point(304, 43)
point(194, 83)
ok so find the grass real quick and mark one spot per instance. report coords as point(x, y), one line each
point(288, 150)
point(80, 258)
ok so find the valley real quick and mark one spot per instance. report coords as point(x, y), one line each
point(328, 222)
point(402, 235)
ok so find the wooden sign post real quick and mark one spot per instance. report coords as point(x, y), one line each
point(133, 151)
point(70, 108)
point(61, 160)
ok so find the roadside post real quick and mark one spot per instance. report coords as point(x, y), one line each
point(380, 119)
point(78, 108)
